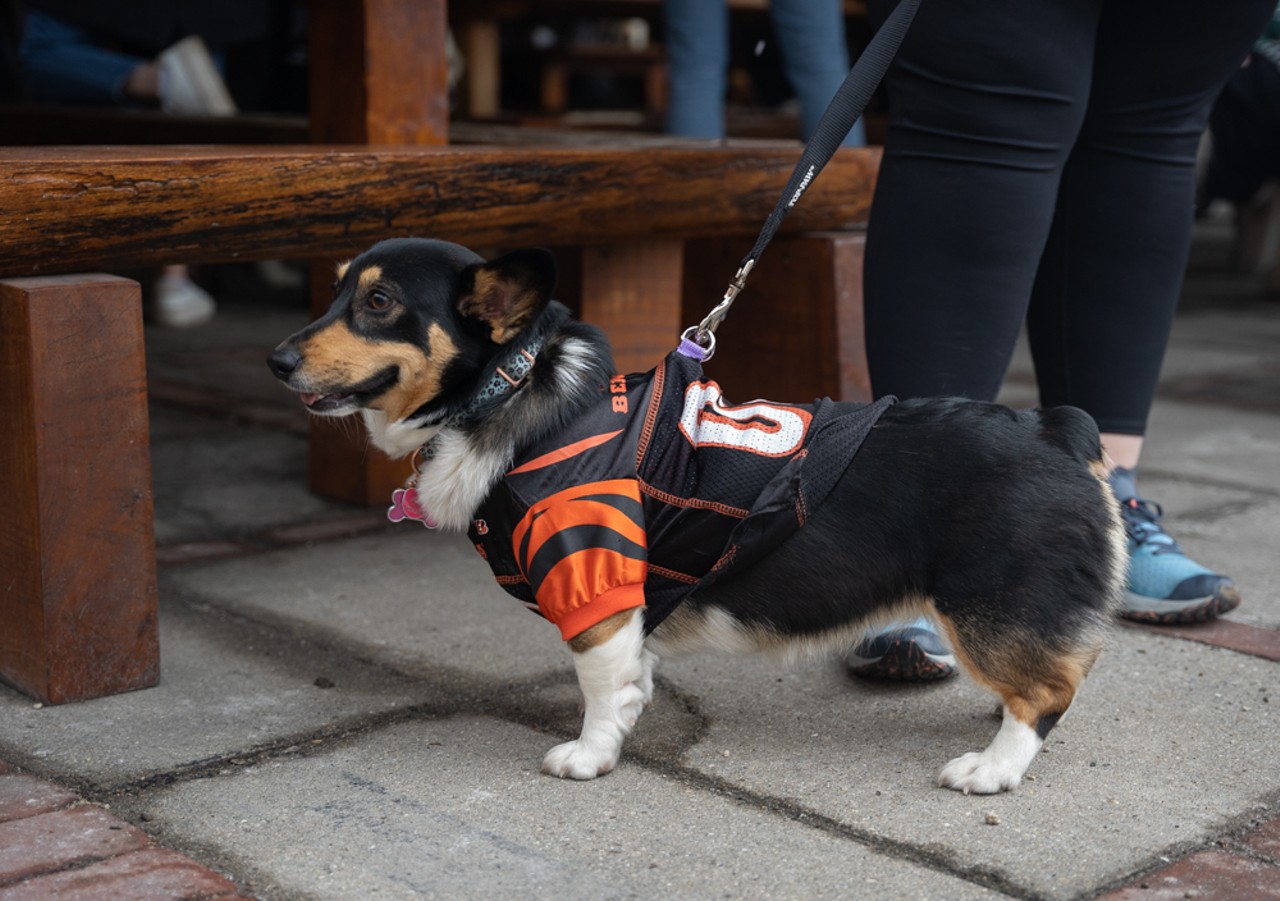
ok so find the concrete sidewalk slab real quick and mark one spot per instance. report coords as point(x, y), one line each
point(230, 351)
point(1167, 745)
point(417, 599)
point(1221, 446)
point(1245, 545)
point(212, 480)
point(455, 808)
point(226, 689)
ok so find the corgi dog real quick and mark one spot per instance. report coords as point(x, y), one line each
point(646, 514)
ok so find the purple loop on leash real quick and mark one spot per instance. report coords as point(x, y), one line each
point(692, 349)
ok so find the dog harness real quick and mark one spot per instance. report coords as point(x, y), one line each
point(659, 488)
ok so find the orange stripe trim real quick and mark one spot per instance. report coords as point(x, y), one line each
point(651, 414)
point(693, 502)
point(673, 575)
point(565, 453)
point(624, 597)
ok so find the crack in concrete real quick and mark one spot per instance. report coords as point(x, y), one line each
point(526, 706)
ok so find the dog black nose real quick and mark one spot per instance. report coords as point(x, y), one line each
point(283, 361)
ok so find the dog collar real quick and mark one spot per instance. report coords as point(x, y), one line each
point(506, 378)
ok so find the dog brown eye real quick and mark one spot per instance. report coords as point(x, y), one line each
point(379, 302)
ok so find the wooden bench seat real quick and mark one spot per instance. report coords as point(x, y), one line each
point(76, 536)
point(70, 209)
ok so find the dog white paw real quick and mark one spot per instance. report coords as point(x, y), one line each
point(980, 773)
point(579, 760)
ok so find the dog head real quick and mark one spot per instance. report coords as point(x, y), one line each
point(413, 323)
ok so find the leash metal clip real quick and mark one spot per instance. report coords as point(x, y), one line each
point(705, 332)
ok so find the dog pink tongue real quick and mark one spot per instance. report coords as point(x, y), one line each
point(308, 398)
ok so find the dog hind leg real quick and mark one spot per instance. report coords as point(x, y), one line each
point(1001, 766)
point(615, 674)
point(1037, 684)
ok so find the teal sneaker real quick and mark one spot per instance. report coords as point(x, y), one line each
point(1165, 585)
point(906, 652)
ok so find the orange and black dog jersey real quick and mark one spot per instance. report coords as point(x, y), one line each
point(659, 488)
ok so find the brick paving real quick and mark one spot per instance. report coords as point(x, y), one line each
point(1240, 871)
point(53, 845)
point(1264, 841)
point(1224, 633)
point(1246, 868)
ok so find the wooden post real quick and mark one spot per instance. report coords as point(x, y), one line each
point(795, 332)
point(632, 291)
point(384, 80)
point(77, 538)
point(380, 72)
point(481, 42)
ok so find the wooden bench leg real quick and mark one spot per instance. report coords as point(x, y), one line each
point(344, 466)
point(795, 332)
point(482, 49)
point(372, 50)
point(77, 539)
point(632, 291)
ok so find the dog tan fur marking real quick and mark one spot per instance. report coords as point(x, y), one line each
point(1031, 688)
point(341, 271)
point(506, 306)
point(369, 277)
point(336, 359)
point(601, 631)
point(419, 385)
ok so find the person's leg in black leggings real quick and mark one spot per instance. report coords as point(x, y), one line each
point(1112, 270)
point(1045, 147)
point(986, 99)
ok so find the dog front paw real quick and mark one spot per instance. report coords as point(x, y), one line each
point(579, 760)
point(980, 773)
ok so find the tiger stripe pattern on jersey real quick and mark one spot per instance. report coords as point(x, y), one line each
point(585, 543)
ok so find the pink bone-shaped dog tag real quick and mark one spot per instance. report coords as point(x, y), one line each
point(404, 505)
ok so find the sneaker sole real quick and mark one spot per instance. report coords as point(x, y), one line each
point(1140, 609)
point(906, 661)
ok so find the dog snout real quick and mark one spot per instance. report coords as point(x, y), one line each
point(283, 361)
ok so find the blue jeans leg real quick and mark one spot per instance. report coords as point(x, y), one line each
point(698, 56)
point(815, 57)
point(60, 64)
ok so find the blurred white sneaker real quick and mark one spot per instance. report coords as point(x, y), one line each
point(181, 303)
point(190, 84)
point(281, 276)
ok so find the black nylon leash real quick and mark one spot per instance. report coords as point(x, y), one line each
point(841, 113)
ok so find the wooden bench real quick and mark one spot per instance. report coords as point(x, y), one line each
point(78, 593)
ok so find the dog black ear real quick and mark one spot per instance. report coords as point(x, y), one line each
point(508, 293)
